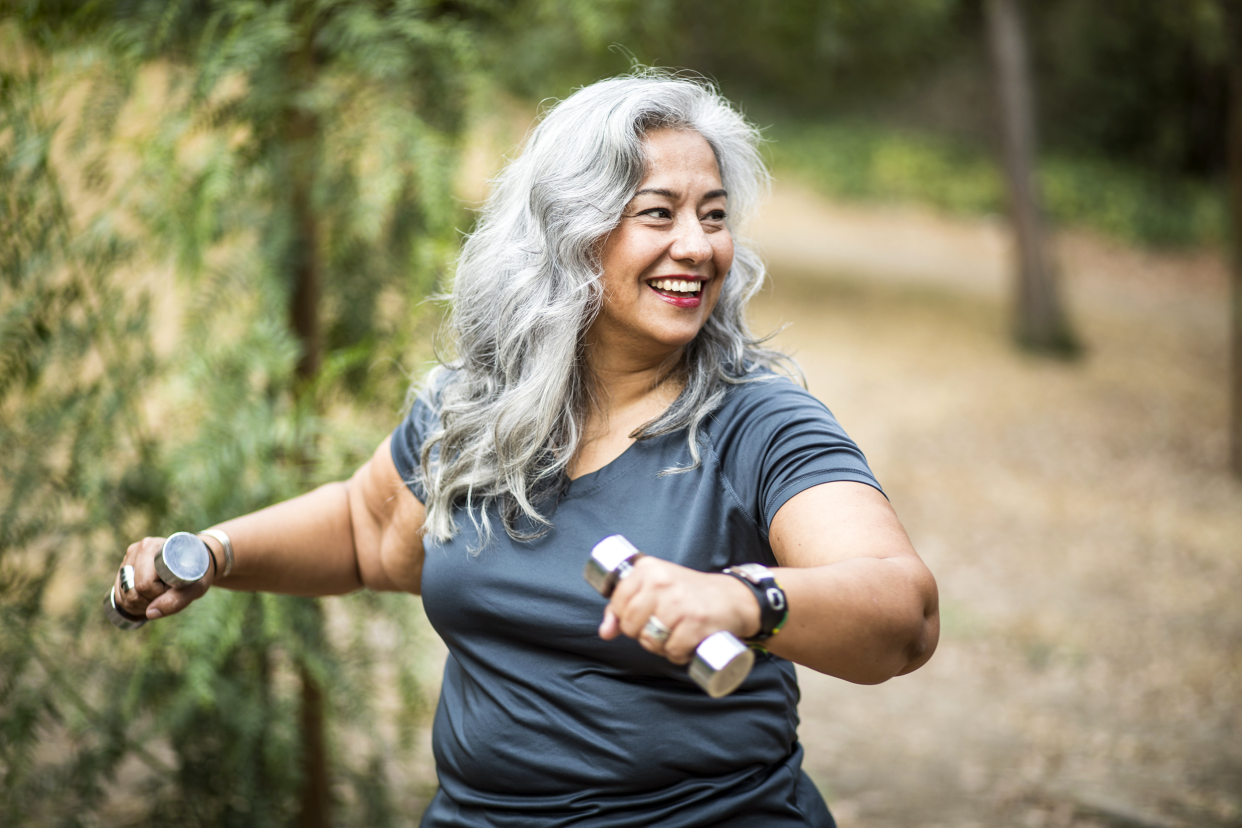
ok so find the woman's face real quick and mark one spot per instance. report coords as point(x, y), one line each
point(665, 262)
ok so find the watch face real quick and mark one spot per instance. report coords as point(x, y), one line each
point(753, 572)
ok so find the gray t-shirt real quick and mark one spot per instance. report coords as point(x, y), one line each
point(541, 722)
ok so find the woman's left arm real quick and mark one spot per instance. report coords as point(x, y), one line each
point(862, 605)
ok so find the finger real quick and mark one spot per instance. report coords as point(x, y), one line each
point(129, 599)
point(626, 588)
point(131, 602)
point(633, 617)
point(680, 646)
point(609, 628)
point(147, 581)
point(651, 638)
point(636, 597)
point(123, 582)
point(636, 578)
point(174, 601)
point(119, 594)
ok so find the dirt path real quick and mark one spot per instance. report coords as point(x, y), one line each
point(1079, 517)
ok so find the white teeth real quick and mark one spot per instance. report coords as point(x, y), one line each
point(676, 285)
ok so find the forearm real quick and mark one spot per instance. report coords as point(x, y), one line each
point(863, 619)
point(303, 546)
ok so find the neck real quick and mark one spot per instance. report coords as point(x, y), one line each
point(623, 381)
point(627, 392)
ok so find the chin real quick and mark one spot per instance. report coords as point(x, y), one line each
point(677, 340)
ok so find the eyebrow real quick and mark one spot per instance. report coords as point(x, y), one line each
point(670, 194)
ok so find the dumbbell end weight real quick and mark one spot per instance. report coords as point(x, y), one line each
point(721, 663)
point(183, 560)
point(611, 560)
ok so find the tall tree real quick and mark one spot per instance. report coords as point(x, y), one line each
point(1040, 320)
point(1232, 12)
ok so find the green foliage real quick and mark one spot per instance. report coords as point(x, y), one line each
point(798, 54)
point(1142, 82)
point(173, 173)
point(144, 139)
point(854, 160)
point(75, 358)
point(885, 99)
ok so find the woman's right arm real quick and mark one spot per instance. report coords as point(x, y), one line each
point(364, 532)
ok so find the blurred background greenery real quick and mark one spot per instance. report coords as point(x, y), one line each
point(221, 222)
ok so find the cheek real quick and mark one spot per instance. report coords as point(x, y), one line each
point(628, 259)
point(723, 251)
point(724, 260)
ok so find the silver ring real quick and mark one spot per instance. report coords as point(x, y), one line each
point(127, 578)
point(656, 630)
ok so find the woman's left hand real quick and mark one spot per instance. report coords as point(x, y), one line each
point(690, 604)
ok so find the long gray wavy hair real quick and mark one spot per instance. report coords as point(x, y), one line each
point(513, 402)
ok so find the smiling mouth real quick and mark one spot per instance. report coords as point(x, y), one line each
point(677, 288)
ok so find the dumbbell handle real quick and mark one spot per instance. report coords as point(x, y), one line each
point(182, 561)
point(721, 661)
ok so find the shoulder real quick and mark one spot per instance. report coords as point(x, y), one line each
point(767, 416)
point(764, 397)
point(421, 421)
point(427, 398)
point(773, 438)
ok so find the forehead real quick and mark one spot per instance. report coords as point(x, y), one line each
point(680, 156)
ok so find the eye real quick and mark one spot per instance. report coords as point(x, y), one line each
point(715, 217)
point(656, 213)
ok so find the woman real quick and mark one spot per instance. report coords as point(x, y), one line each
point(605, 383)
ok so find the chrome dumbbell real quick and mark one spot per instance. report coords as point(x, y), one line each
point(182, 561)
point(721, 661)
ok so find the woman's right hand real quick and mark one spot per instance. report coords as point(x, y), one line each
point(151, 598)
point(329, 541)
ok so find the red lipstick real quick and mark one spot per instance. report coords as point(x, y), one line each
point(679, 298)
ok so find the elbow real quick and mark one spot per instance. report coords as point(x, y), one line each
point(921, 649)
point(892, 631)
point(924, 637)
point(906, 660)
point(912, 645)
point(903, 659)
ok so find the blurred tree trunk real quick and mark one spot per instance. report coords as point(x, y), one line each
point(301, 136)
point(1040, 320)
point(306, 268)
point(1233, 24)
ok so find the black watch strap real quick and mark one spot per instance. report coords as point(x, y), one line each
point(773, 607)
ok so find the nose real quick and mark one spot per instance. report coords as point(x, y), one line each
point(690, 243)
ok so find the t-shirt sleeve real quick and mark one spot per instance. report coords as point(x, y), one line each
point(780, 441)
point(407, 444)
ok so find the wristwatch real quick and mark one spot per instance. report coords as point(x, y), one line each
point(773, 607)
